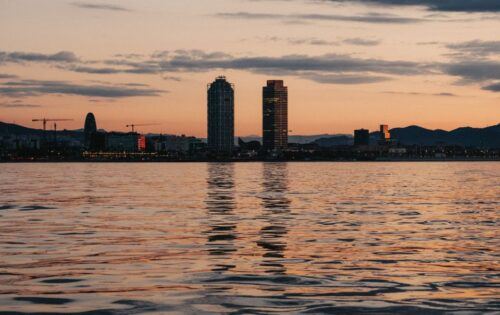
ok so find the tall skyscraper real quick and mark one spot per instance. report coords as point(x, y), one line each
point(275, 115)
point(220, 118)
point(89, 129)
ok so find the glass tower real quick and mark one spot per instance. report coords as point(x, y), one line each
point(220, 118)
point(275, 116)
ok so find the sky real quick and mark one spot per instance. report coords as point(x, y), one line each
point(347, 64)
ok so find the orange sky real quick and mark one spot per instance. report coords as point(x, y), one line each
point(352, 65)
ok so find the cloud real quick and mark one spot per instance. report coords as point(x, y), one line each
point(474, 71)
point(320, 42)
point(172, 78)
point(445, 94)
point(18, 57)
point(99, 6)
point(475, 49)
point(329, 63)
point(495, 87)
point(361, 42)
point(7, 76)
point(296, 65)
point(18, 105)
point(298, 40)
point(328, 68)
point(374, 18)
point(344, 78)
point(24, 88)
point(307, 41)
point(439, 5)
point(93, 70)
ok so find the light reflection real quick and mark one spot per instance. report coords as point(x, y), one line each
point(276, 209)
point(220, 204)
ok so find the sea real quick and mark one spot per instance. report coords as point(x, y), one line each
point(250, 238)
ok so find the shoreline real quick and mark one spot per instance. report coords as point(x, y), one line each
point(253, 161)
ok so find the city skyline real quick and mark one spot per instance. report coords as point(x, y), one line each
point(148, 62)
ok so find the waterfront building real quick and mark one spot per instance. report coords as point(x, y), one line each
point(173, 143)
point(361, 137)
point(125, 142)
point(220, 116)
point(275, 116)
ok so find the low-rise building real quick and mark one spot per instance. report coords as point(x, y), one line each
point(361, 137)
point(173, 143)
point(125, 142)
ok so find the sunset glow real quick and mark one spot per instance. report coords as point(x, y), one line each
point(347, 65)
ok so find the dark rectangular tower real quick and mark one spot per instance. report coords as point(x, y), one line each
point(361, 137)
point(220, 118)
point(275, 116)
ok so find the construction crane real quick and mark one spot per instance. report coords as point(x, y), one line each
point(44, 121)
point(132, 126)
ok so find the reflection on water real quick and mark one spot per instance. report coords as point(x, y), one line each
point(220, 202)
point(347, 238)
point(276, 210)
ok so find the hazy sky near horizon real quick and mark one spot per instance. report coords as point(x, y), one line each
point(347, 64)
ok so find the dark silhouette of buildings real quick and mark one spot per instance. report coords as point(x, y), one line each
point(361, 137)
point(275, 116)
point(249, 146)
point(220, 119)
point(125, 142)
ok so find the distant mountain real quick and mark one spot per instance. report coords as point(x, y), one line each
point(488, 137)
point(297, 138)
point(334, 141)
point(465, 136)
point(13, 129)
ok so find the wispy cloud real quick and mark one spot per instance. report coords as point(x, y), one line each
point(7, 76)
point(99, 6)
point(373, 18)
point(314, 41)
point(17, 57)
point(473, 71)
point(494, 87)
point(475, 49)
point(18, 105)
point(439, 5)
point(326, 68)
point(445, 94)
point(361, 42)
point(344, 78)
point(24, 88)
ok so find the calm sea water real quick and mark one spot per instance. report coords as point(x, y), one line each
point(250, 238)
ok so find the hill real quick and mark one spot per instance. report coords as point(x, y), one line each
point(465, 136)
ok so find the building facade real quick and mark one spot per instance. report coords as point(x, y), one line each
point(220, 116)
point(125, 142)
point(275, 116)
point(172, 143)
point(361, 137)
